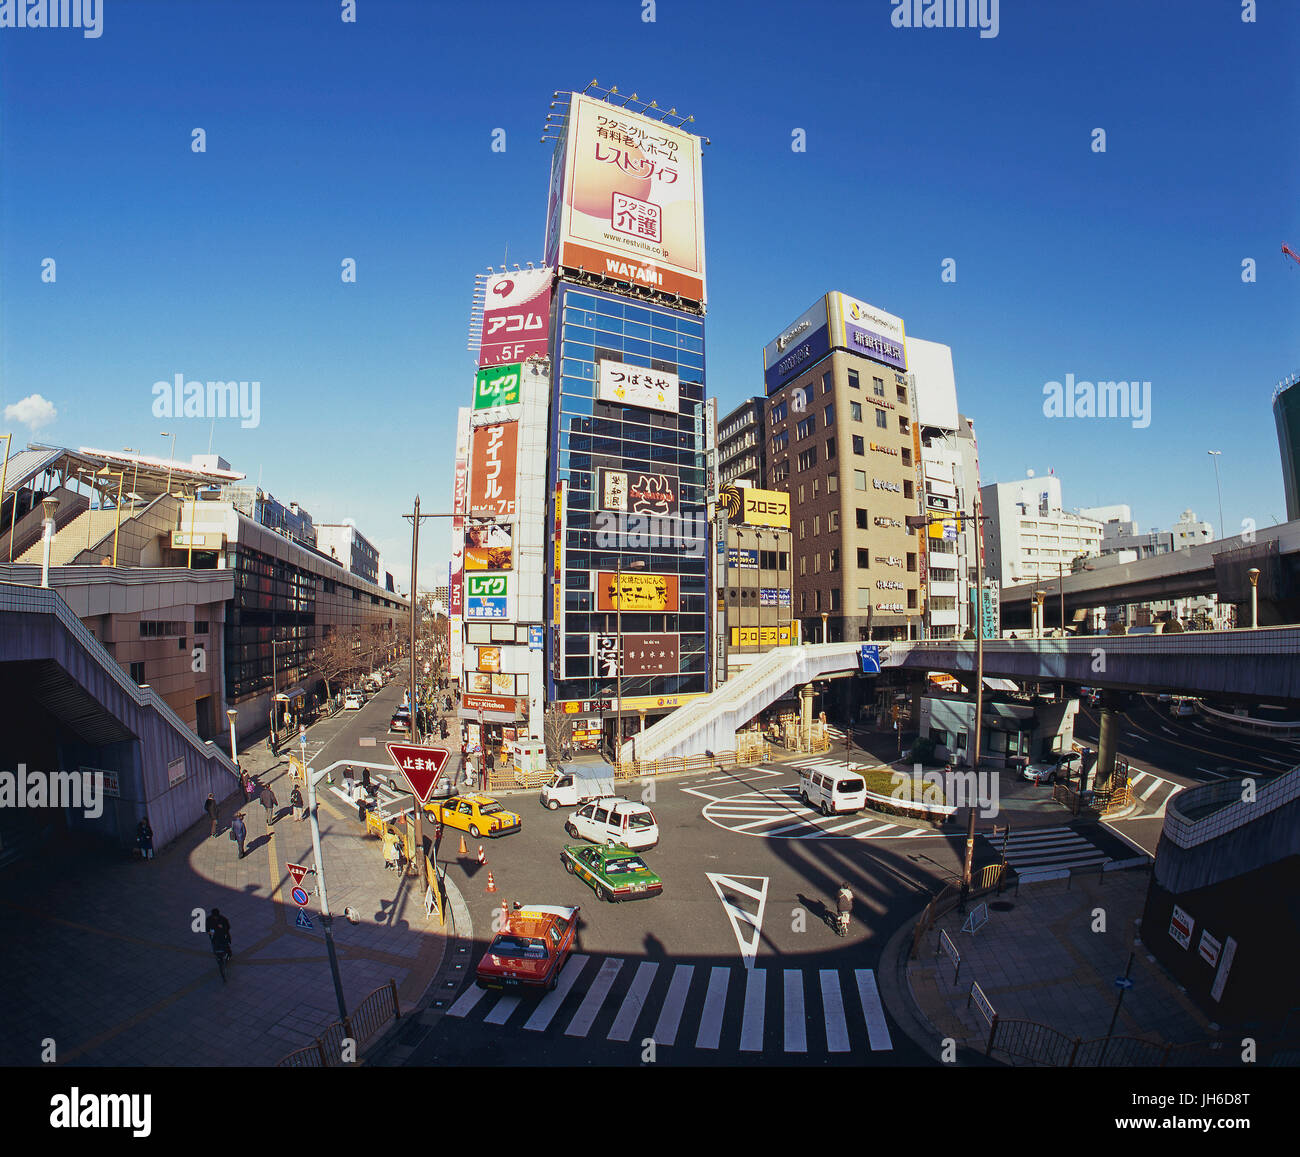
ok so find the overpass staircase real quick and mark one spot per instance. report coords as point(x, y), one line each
point(710, 723)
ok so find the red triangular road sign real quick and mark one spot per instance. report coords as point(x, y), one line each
point(297, 871)
point(420, 766)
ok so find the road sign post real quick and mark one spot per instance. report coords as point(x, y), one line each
point(420, 767)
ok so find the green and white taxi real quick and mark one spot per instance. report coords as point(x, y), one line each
point(614, 872)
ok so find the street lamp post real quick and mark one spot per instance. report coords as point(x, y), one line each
point(1253, 575)
point(915, 522)
point(117, 506)
point(49, 506)
point(326, 919)
point(825, 617)
point(1215, 455)
point(232, 714)
point(170, 455)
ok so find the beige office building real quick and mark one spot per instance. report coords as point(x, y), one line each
point(843, 443)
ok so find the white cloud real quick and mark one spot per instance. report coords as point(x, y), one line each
point(32, 411)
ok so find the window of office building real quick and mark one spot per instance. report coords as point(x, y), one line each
point(908, 488)
point(833, 560)
point(878, 387)
point(817, 600)
point(864, 555)
point(862, 519)
point(827, 384)
point(855, 411)
point(779, 412)
point(829, 415)
point(805, 428)
point(832, 483)
point(835, 598)
point(864, 599)
point(882, 419)
point(859, 480)
point(808, 458)
point(904, 426)
point(816, 487)
point(817, 563)
point(859, 444)
point(803, 563)
point(833, 519)
point(854, 384)
point(830, 448)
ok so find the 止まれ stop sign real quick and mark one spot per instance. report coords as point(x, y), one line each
point(420, 766)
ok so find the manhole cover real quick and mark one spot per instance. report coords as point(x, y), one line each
point(1001, 905)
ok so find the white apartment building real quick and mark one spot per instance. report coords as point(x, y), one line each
point(1028, 536)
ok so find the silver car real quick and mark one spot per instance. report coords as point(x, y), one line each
point(1049, 771)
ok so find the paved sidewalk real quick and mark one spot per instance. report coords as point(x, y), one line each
point(1042, 961)
point(101, 955)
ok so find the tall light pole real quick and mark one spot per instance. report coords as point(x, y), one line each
point(231, 714)
point(4, 477)
point(135, 476)
point(326, 919)
point(916, 522)
point(1253, 575)
point(49, 506)
point(1215, 455)
point(170, 456)
point(117, 523)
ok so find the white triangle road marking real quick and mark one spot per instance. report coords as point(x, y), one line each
point(747, 941)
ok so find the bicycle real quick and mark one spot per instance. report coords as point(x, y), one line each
point(225, 959)
point(841, 924)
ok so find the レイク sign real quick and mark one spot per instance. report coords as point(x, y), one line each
point(496, 386)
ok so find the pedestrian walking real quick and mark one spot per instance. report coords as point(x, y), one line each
point(366, 785)
point(250, 789)
point(144, 837)
point(361, 808)
point(295, 802)
point(491, 760)
point(238, 832)
point(211, 808)
point(270, 803)
point(350, 782)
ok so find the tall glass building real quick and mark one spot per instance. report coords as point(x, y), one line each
point(663, 559)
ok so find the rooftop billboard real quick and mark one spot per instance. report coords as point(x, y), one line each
point(865, 329)
point(803, 342)
point(516, 316)
point(626, 200)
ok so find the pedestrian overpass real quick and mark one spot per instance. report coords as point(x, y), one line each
point(1251, 666)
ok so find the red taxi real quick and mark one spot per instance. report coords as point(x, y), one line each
point(531, 949)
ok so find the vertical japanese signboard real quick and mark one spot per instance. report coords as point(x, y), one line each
point(456, 570)
point(492, 469)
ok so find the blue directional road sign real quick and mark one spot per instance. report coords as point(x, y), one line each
point(303, 921)
point(870, 656)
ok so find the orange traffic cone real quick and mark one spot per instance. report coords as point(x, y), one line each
point(482, 859)
point(464, 851)
point(491, 884)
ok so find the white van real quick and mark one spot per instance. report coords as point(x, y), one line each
point(353, 701)
point(832, 791)
point(612, 820)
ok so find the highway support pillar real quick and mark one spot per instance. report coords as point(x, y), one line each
point(1108, 735)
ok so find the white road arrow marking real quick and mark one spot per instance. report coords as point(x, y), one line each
point(747, 938)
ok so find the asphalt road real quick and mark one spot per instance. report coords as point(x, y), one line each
point(805, 996)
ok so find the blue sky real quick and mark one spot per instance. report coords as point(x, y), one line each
point(328, 140)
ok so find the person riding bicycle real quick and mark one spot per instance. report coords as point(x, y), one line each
point(219, 933)
point(844, 904)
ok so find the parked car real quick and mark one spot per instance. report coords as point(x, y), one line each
point(614, 872)
point(573, 786)
point(401, 721)
point(1049, 771)
point(353, 701)
point(530, 949)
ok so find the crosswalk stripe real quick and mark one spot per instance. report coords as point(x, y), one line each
point(670, 1016)
point(468, 999)
point(856, 823)
point(1155, 783)
point(715, 1001)
point(582, 1020)
point(837, 1029)
point(796, 1031)
point(633, 1002)
point(549, 1005)
point(502, 1009)
point(877, 1026)
point(751, 1026)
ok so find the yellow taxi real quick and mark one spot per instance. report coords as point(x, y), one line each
point(480, 815)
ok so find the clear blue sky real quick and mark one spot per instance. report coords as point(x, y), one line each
point(372, 141)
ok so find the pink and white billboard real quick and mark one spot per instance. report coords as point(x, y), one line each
point(516, 316)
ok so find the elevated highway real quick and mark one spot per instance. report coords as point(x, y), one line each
point(1251, 666)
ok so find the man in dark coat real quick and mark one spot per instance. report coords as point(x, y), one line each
point(239, 832)
point(270, 803)
point(211, 808)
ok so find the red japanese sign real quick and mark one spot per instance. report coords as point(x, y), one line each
point(420, 766)
point(492, 469)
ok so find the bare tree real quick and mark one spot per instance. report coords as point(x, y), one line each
point(557, 729)
point(336, 658)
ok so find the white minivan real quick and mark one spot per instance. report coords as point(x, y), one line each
point(353, 701)
point(613, 820)
point(834, 791)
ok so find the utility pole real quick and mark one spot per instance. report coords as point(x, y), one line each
point(327, 920)
point(1215, 455)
